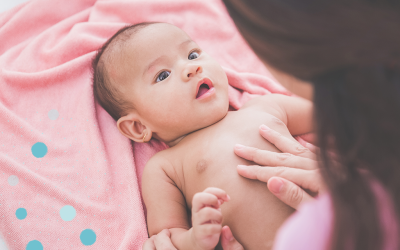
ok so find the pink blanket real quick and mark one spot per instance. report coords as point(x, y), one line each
point(69, 179)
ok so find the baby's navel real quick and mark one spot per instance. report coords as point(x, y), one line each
point(201, 166)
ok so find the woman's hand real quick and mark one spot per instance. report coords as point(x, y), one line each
point(161, 241)
point(287, 173)
point(228, 242)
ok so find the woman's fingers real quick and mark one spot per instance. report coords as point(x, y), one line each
point(312, 148)
point(149, 245)
point(285, 144)
point(162, 240)
point(307, 179)
point(228, 242)
point(287, 173)
point(269, 158)
point(288, 192)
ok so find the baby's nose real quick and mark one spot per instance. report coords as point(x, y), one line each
point(191, 70)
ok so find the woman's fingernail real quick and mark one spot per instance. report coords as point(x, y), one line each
point(228, 197)
point(265, 128)
point(241, 166)
point(275, 185)
point(239, 146)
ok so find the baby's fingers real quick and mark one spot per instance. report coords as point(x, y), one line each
point(207, 215)
point(221, 194)
point(163, 240)
point(210, 229)
point(211, 197)
point(201, 200)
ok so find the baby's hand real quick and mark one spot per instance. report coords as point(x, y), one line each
point(207, 217)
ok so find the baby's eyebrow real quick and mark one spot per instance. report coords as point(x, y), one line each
point(163, 57)
point(185, 43)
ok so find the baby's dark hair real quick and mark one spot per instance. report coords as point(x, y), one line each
point(107, 95)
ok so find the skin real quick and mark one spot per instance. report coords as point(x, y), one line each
point(297, 172)
point(288, 189)
point(167, 110)
point(193, 188)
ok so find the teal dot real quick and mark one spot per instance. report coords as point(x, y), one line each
point(39, 149)
point(88, 237)
point(21, 213)
point(34, 245)
point(67, 213)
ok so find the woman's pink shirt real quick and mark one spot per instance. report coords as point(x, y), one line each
point(311, 226)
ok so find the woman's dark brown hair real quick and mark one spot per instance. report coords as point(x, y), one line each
point(350, 51)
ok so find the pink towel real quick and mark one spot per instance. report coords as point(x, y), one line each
point(69, 179)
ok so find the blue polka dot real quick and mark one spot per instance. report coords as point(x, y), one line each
point(39, 149)
point(88, 237)
point(34, 245)
point(21, 213)
point(67, 213)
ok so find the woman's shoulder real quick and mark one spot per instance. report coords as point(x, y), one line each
point(309, 227)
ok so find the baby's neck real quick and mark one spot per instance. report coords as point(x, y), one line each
point(176, 141)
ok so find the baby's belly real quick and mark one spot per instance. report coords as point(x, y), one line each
point(254, 214)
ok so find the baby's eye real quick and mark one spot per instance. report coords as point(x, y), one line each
point(193, 55)
point(162, 76)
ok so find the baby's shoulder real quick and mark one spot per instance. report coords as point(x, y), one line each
point(270, 103)
point(165, 162)
point(265, 101)
point(159, 160)
point(158, 168)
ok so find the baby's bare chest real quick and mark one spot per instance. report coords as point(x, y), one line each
point(207, 157)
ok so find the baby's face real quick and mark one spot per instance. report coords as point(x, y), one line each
point(175, 87)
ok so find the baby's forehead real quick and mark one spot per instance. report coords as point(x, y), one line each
point(152, 42)
point(135, 51)
point(156, 35)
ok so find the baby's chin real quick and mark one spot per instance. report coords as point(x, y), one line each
point(200, 122)
point(216, 115)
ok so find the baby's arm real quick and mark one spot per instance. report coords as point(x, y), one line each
point(166, 208)
point(295, 112)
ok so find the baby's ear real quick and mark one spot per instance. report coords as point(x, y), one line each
point(131, 127)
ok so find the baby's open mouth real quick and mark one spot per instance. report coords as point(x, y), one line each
point(204, 86)
point(202, 90)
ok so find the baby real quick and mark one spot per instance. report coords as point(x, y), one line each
point(157, 83)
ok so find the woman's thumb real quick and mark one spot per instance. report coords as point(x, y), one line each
point(228, 242)
point(288, 192)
